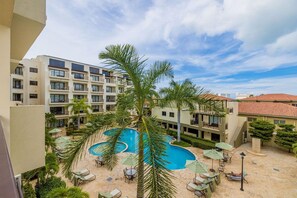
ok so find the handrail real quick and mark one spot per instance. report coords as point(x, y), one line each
point(8, 183)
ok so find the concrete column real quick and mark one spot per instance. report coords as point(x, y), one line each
point(5, 81)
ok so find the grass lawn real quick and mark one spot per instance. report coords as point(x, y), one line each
point(182, 144)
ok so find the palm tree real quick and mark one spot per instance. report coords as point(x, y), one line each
point(50, 120)
point(73, 192)
point(77, 107)
point(183, 95)
point(153, 179)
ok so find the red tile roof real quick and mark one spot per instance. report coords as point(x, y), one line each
point(267, 108)
point(216, 97)
point(273, 97)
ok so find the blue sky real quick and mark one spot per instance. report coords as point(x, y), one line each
point(226, 46)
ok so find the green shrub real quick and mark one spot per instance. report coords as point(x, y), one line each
point(42, 189)
point(28, 191)
point(194, 141)
point(182, 144)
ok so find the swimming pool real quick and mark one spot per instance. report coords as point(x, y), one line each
point(175, 155)
point(97, 149)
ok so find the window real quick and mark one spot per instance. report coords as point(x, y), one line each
point(60, 123)
point(17, 97)
point(94, 70)
point(95, 78)
point(57, 73)
point(79, 97)
point(250, 119)
point(17, 84)
point(96, 108)
point(33, 96)
point(57, 110)
point(294, 105)
point(279, 122)
point(106, 73)
point(110, 98)
point(163, 113)
point(33, 70)
point(18, 71)
point(56, 63)
point(95, 88)
point(110, 90)
point(96, 98)
point(55, 98)
point(58, 85)
point(230, 110)
point(77, 67)
point(215, 137)
point(78, 75)
point(171, 114)
point(79, 87)
point(34, 83)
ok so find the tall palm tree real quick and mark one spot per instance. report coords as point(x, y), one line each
point(154, 179)
point(77, 107)
point(183, 95)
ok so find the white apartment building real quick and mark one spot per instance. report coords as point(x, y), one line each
point(54, 82)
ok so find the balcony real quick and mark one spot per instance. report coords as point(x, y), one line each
point(110, 100)
point(17, 86)
point(85, 89)
point(62, 101)
point(66, 76)
point(98, 90)
point(80, 78)
point(100, 110)
point(58, 89)
point(110, 80)
point(194, 122)
point(211, 125)
point(101, 100)
point(60, 113)
point(98, 80)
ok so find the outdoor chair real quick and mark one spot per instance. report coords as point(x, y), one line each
point(115, 193)
point(199, 190)
point(82, 172)
point(198, 180)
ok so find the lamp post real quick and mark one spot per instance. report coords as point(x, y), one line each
point(242, 157)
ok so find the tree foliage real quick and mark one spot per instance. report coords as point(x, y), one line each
point(50, 120)
point(183, 95)
point(28, 191)
point(77, 107)
point(73, 192)
point(42, 189)
point(286, 136)
point(262, 129)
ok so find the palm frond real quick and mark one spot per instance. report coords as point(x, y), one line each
point(157, 178)
point(76, 150)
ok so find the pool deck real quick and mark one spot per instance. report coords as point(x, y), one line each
point(272, 176)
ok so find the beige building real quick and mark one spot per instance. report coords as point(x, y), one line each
point(21, 127)
point(54, 82)
point(203, 123)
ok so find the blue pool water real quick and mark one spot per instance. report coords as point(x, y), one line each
point(175, 156)
point(97, 149)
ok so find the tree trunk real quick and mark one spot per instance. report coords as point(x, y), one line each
point(178, 125)
point(140, 182)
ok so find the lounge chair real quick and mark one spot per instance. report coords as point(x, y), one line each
point(115, 193)
point(199, 190)
point(235, 177)
point(198, 180)
point(82, 172)
point(86, 178)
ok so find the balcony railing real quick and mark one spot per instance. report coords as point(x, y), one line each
point(81, 90)
point(98, 90)
point(100, 100)
point(66, 76)
point(52, 88)
point(66, 100)
point(17, 86)
point(194, 122)
point(110, 100)
point(60, 112)
point(210, 125)
point(97, 110)
point(8, 185)
point(100, 80)
point(85, 78)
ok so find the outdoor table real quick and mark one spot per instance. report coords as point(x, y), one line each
point(131, 171)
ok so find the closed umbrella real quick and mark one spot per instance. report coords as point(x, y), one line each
point(224, 146)
point(213, 155)
point(88, 124)
point(196, 166)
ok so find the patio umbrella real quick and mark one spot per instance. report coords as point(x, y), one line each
point(224, 146)
point(88, 124)
point(213, 155)
point(55, 130)
point(196, 166)
point(130, 160)
point(62, 142)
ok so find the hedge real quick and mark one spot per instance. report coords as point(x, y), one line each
point(194, 141)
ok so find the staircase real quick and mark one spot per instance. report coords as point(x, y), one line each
point(237, 138)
